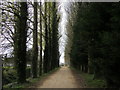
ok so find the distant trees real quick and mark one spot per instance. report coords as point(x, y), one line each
point(51, 52)
point(55, 35)
point(69, 31)
point(95, 47)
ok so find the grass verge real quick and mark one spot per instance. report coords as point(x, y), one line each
point(90, 82)
point(30, 81)
point(94, 83)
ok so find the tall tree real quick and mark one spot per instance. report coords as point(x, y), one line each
point(45, 64)
point(35, 43)
point(49, 35)
point(20, 45)
point(55, 47)
point(40, 63)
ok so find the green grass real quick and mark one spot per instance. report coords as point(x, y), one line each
point(24, 85)
point(30, 81)
point(95, 83)
point(90, 82)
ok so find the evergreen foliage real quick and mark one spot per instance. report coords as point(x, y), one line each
point(95, 47)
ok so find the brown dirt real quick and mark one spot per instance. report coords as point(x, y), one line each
point(62, 78)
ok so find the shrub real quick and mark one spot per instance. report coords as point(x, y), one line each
point(9, 75)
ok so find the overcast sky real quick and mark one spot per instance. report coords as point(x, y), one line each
point(62, 28)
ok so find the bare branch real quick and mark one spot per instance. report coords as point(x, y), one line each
point(11, 12)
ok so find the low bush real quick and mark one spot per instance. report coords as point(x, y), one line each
point(9, 76)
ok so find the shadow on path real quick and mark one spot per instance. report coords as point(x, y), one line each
point(79, 80)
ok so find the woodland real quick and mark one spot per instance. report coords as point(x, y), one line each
point(30, 36)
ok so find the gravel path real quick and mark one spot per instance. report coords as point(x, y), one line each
point(62, 78)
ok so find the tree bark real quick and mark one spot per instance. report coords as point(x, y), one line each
point(35, 44)
point(40, 65)
point(20, 43)
point(55, 49)
point(45, 64)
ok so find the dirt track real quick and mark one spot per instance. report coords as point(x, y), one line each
point(62, 78)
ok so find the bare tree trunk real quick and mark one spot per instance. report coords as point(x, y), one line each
point(49, 19)
point(45, 64)
point(35, 44)
point(20, 43)
point(40, 63)
point(55, 49)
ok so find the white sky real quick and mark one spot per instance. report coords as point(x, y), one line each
point(62, 29)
